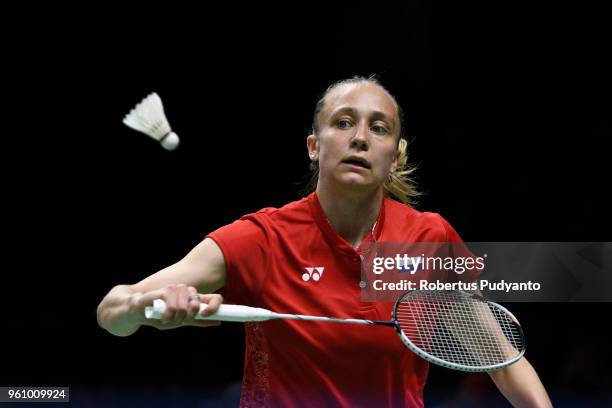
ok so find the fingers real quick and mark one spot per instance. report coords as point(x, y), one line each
point(147, 298)
point(213, 301)
point(179, 303)
point(193, 303)
point(182, 306)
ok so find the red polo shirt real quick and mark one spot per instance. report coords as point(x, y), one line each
point(291, 260)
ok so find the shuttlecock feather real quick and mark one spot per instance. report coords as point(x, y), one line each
point(149, 118)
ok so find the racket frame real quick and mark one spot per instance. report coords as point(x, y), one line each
point(454, 366)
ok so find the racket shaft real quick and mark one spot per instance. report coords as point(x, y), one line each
point(322, 319)
point(238, 313)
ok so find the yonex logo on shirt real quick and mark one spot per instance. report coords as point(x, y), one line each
point(313, 272)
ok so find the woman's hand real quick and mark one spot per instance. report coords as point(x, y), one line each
point(182, 307)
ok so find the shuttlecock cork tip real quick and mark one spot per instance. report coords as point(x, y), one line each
point(170, 142)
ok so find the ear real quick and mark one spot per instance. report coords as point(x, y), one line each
point(395, 161)
point(312, 143)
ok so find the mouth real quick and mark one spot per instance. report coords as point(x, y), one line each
point(357, 161)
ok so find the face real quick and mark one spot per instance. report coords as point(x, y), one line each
point(356, 144)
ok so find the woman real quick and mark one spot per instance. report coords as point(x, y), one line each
point(304, 258)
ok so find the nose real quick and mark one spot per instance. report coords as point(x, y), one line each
point(359, 140)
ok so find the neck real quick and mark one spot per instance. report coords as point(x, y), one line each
point(353, 215)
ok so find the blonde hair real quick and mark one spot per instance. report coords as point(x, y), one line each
point(399, 185)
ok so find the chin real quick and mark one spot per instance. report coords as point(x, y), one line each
point(356, 181)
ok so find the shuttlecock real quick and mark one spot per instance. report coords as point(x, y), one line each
point(149, 118)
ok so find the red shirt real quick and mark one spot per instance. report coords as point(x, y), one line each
point(269, 257)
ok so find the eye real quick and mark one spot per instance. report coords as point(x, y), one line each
point(343, 124)
point(381, 130)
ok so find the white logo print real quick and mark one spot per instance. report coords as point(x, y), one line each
point(315, 273)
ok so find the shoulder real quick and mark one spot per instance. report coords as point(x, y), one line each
point(292, 212)
point(424, 224)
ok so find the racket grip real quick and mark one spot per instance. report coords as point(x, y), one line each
point(226, 313)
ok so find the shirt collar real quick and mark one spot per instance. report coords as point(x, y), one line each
point(330, 234)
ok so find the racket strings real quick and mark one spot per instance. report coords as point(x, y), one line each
point(457, 328)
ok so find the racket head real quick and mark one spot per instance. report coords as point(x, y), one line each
point(458, 330)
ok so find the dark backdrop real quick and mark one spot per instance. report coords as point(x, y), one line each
point(507, 107)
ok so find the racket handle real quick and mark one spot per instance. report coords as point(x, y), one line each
point(226, 313)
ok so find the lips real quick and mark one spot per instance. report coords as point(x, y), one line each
point(357, 161)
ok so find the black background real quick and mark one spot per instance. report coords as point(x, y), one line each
point(507, 107)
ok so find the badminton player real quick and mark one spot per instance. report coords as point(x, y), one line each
point(305, 258)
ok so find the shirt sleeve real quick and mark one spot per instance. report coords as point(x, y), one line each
point(457, 250)
point(245, 245)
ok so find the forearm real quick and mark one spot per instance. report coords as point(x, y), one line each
point(521, 385)
point(121, 312)
point(115, 312)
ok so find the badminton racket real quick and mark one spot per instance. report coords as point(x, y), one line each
point(454, 329)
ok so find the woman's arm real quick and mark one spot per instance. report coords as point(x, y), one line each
point(521, 385)
point(121, 312)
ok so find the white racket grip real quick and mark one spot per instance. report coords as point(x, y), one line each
point(226, 313)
